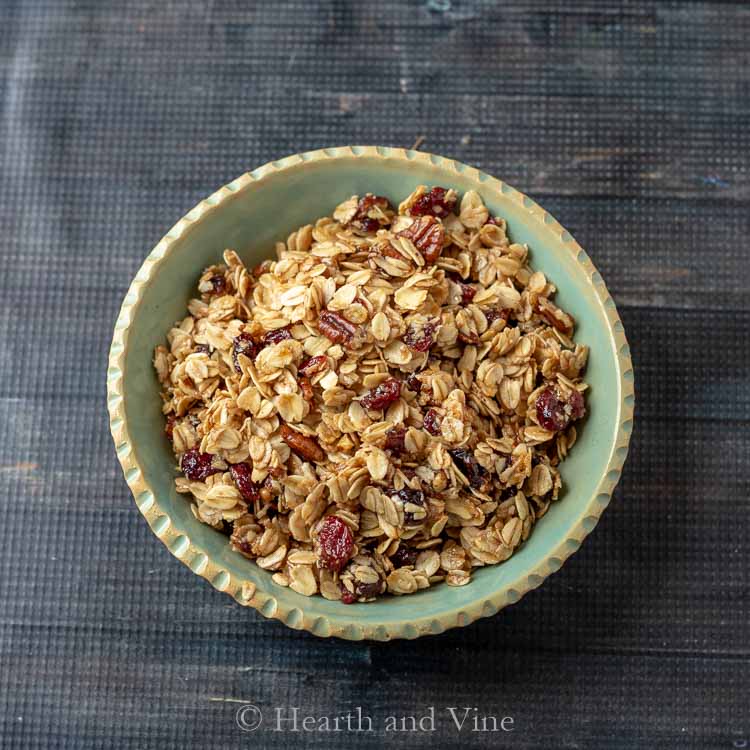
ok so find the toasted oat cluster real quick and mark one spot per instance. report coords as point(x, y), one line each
point(384, 406)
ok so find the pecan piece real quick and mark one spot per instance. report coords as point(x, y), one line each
point(240, 543)
point(306, 388)
point(169, 426)
point(395, 440)
point(555, 316)
point(469, 338)
point(337, 328)
point(313, 365)
point(493, 315)
point(428, 235)
point(261, 268)
point(303, 445)
point(385, 248)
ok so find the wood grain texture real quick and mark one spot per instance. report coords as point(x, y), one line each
point(626, 120)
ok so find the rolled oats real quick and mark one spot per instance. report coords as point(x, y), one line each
point(384, 406)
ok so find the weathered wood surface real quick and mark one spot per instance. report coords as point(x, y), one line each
point(628, 121)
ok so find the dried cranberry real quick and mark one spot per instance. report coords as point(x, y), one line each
point(241, 474)
point(420, 338)
point(369, 225)
point(467, 293)
point(395, 440)
point(413, 383)
point(197, 466)
point(555, 414)
point(244, 344)
point(347, 596)
point(313, 365)
point(362, 219)
point(470, 468)
point(495, 314)
point(382, 395)
point(275, 337)
point(335, 544)
point(414, 497)
point(361, 591)
point(434, 203)
point(577, 406)
point(404, 556)
point(218, 284)
point(431, 422)
point(369, 590)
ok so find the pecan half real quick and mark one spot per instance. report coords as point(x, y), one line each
point(337, 328)
point(303, 445)
point(428, 236)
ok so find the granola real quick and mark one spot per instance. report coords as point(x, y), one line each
point(384, 406)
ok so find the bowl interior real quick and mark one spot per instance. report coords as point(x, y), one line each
point(250, 221)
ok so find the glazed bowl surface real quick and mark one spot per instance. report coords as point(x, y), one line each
point(264, 206)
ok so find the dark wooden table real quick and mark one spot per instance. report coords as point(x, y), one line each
point(628, 121)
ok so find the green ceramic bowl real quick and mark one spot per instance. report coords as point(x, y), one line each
point(249, 215)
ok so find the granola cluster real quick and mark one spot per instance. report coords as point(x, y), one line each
point(381, 408)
